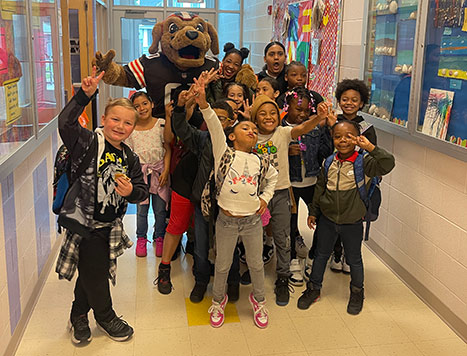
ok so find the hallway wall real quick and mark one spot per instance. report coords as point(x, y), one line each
point(27, 237)
point(257, 30)
point(423, 222)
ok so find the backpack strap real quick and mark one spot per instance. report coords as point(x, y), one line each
point(359, 174)
point(87, 159)
point(327, 164)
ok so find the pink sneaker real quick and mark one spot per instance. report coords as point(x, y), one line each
point(260, 312)
point(159, 246)
point(217, 312)
point(141, 249)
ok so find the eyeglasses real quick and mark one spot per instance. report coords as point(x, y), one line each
point(224, 118)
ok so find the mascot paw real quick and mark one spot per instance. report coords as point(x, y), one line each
point(247, 76)
point(102, 62)
point(114, 73)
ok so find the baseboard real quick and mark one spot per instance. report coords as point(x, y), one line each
point(27, 312)
point(446, 314)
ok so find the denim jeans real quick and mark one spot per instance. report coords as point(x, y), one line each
point(160, 215)
point(202, 265)
point(228, 231)
point(351, 236)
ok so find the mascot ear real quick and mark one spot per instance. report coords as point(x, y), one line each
point(156, 37)
point(214, 39)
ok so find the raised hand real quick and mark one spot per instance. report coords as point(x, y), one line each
point(362, 142)
point(89, 84)
point(169, 108)
point(323, 110)
point(199, 91)
point(102, 62)
point(246, 113)
point(331, 119)
point(185, 96)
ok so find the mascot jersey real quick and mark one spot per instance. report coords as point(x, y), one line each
point(163, 77)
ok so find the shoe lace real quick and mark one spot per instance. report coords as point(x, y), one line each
point(118, 323)
point(261, 310)
point(216, 309)
point(163, 278)
point(81, 322)
point(284, 283)
point(141, 241)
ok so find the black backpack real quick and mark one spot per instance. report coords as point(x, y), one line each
point(62, 173)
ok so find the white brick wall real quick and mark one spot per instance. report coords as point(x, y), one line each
point(257, 30)
point(423, 221)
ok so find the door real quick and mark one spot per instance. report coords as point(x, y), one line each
point(133, 37)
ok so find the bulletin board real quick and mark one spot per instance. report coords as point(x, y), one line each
point(323, 43)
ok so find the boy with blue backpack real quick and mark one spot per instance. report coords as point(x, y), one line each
point(339, 206)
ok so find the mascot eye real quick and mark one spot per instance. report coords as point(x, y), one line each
point(173, 28)
point(200, 27)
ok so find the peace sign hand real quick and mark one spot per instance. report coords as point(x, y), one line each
point(89, 84)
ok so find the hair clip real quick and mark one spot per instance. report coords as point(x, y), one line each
point(286, 107)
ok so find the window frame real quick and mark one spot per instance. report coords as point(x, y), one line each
point(410, 132)
point(17, 156)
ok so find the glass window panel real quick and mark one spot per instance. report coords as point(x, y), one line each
point(229, 4)
point(16, 110)
point(136, 28)
point(228, 29)
point(200, 4)
point(46, 60)
point(444, 88)
point(139, 2)
point(389, 58)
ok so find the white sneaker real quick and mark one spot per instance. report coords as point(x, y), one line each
point(336, 266)
point(296, 278)
point(345, 266)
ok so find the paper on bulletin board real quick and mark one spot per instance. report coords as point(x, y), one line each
point(464, 27)
point(2, 104)
point(13, 112)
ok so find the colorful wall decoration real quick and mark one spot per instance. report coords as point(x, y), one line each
point(322, 76)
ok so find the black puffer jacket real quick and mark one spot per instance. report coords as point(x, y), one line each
point(199, 143)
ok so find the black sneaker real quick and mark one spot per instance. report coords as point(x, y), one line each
point(356, 301)
point(117, 329)
point(197, 294)
point(79, 328)
point(268, 252)
point(245, 279)
point(233, 292)
point(163, 283)
point(282, 291)
point(309, 296)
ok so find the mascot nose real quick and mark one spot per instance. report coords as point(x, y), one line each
point(192, 35)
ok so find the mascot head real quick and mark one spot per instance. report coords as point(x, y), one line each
point(185, 38)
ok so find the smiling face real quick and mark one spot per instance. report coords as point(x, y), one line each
point(296, 76)
point(144, 107)
point(299, 111)
point(350, 102)
point(275, 60)
point(235, 92)
point(267, 118)
point(244, 136)
point(118, 123)
point(266, 88)
point(342, 140)
point(231, 65)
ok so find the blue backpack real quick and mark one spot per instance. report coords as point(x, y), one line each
point(370, 196)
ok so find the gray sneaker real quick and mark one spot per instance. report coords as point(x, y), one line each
point(300, 247)
point(117, 329)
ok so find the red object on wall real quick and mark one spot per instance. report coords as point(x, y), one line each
point(269, 9)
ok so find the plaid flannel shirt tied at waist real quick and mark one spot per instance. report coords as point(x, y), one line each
point(68, 258)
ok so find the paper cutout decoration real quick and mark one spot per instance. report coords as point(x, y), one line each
point(315, 42)
point(437, 113)
point(298, 47)
point(453, 56)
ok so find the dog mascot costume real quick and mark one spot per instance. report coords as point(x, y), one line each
point(185, 39)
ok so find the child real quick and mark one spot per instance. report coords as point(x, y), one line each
point(268, 86)
point(199, 142)
point(149, 140)
point(240, 94)
point(274, 59)
point(338, 209)
point(230, 66)
point(273, 141)
point(244, 185)
point(352, 95)
point(296, 76)
point(305, 158)
point(94, 208)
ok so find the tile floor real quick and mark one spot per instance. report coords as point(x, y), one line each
point(393, 322)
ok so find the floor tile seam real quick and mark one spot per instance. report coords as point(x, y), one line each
point(246, 341)
point(299, 336)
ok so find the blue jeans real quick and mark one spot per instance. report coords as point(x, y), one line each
point(202, 266)
point(327, 234)
point(160, 215)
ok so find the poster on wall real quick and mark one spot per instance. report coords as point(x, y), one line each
point(438, 112)
point(298, 34)
point(13, 111)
